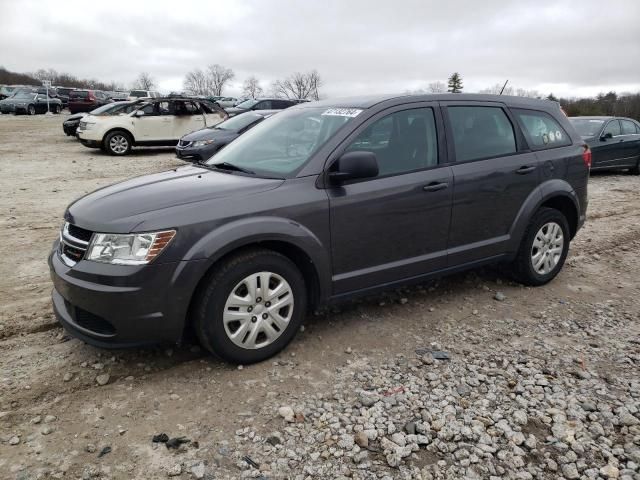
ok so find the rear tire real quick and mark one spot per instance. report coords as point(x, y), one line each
point(117, 143)
point(544, 248)
point(635, 170)
point(240, 320)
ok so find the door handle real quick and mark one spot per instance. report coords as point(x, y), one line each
point(435, 186)
point(525, 169)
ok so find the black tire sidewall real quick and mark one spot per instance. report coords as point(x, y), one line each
point(210, 313)
point(107, 141)
point(31, 110)
point(527, 272)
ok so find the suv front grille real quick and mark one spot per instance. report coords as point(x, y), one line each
point(74, 242)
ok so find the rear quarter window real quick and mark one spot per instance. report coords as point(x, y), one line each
point(541, 129)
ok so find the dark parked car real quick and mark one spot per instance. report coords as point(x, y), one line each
point(87, 100)
point(63, 95)
point(30, 103)
point(319, 203)
point(202, 144)
point(70, 125)
point(261, 104)
point(614, 141)
point(6, 91)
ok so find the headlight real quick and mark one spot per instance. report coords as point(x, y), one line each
point(88, 126)
point(202, 143)
point(130, 249)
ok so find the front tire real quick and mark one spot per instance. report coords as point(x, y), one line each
point(544, 248)
point(250, 307)
point(117, 143)
point(31, 110)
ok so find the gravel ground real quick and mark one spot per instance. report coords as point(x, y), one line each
point(472, 376)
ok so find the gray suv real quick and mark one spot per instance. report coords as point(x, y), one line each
point(319, 203)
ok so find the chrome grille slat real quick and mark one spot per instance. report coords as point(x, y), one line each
point(72, 248)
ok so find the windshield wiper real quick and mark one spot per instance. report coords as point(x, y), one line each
point(231, 166)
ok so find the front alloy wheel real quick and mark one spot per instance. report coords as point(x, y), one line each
point(258, 310)
point(250, 306)
point(31, 110)
point(118, 143)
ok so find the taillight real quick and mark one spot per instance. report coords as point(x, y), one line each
point(91, 97)
point(586, 156)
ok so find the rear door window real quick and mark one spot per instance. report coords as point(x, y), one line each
point(481, 132)
point(613, 127)
point(628, 127)
point(541, 129)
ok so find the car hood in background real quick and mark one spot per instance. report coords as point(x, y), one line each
point(76, 116)
point(235, 110)
point(119, 208)
point(208, 134)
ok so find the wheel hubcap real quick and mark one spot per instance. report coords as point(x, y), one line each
point(547, 248)
point(118, 144)
point(258, 310)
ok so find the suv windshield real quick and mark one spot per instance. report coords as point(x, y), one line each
point(113, 108)
point(247, 103)
point(282, 144)
point(239, 122)
point(138, 93)
point(587, 127)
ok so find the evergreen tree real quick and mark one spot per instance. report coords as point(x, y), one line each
point(552, 97)
point(455, 83)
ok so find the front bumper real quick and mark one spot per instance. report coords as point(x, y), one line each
point(7, 108)
point(123, 306)
point(70, 128)
point(196, 154)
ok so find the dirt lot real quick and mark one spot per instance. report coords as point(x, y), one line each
point(55, 419)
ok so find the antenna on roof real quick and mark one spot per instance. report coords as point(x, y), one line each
point(504, 86)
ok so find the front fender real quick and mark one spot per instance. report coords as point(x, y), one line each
point(545, 191)
point(254, 230)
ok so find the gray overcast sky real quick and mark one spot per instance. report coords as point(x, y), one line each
point(572, 48)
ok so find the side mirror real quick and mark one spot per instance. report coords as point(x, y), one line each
point(352, 165)
point(606, 136)
point(139, 113)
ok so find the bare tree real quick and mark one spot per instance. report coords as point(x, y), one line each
point(437, 87)
point(219, 77)
point(197, 83)
point(144, 82)
point(299, 85)
point(251, 87)
point(48, 74)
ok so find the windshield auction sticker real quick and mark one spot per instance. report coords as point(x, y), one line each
point(342, 112)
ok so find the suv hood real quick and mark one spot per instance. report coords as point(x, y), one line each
point(119, 208)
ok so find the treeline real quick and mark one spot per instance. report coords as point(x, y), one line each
point(58, 79)
point(609, 104)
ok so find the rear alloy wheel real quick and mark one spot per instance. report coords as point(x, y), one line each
point(118, 143)
point(56, 109)
point(543, 249)
point(251, 306)
point(31, 110)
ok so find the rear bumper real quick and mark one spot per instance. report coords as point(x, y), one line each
point(123, 306)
